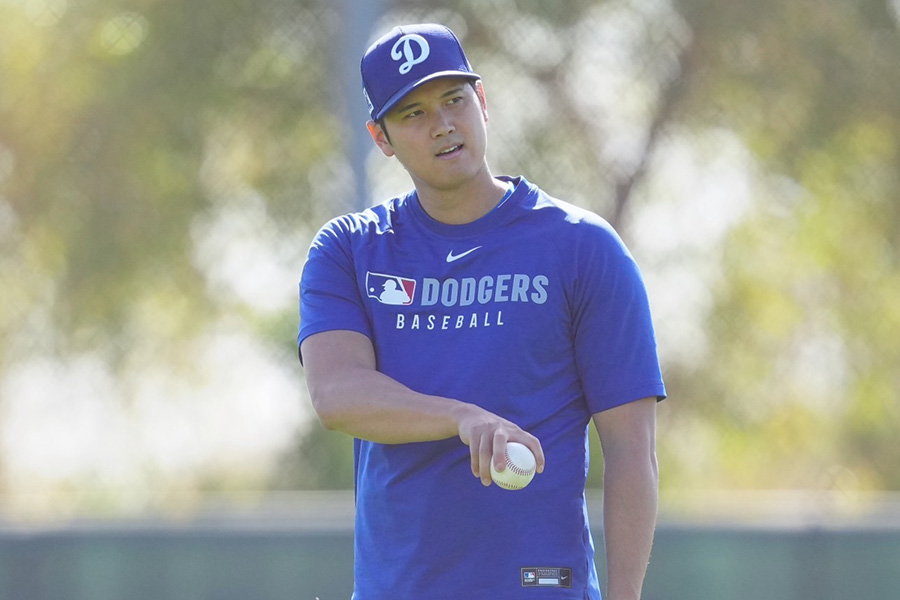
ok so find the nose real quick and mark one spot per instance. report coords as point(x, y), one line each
point(443, 124)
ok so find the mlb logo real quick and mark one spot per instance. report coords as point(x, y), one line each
point(390, 289)
point(529, 576)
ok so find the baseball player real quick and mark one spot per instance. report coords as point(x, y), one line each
point(474, 311)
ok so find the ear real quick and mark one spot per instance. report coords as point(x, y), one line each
point(380, 138)
point(479, 91)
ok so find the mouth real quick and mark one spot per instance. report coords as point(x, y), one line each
point(450, 151)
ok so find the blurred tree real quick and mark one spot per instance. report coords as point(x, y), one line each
point(138, 143)
point(141, 147)
point(318, 460)
point(123, 126)
point(796, 383)
point(799, 382)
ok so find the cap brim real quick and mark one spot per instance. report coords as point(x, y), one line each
point(395, 99)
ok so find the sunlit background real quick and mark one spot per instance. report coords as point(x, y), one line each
point(164, 165)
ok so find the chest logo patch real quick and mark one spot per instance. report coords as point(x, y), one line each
point(390, 289)
point(452, 257)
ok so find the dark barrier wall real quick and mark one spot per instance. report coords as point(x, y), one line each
point(206, 563)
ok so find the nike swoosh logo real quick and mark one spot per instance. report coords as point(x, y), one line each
point(451, 257)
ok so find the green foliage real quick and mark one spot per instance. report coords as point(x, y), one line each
point(319, 460)
point(804, 321)
point(128, 134)
point(134, 141)
point(125, 127)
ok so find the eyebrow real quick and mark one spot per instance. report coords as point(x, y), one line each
point(412, 105)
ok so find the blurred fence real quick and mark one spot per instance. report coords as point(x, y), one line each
point(163, 168)
point(303, 550)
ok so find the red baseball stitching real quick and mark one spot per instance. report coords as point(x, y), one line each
point(516, 469)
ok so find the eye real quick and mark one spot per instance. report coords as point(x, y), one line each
point(411, 114)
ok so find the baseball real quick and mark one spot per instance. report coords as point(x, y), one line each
point(519, 469)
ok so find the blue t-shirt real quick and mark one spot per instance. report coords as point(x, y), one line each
point(536, 312)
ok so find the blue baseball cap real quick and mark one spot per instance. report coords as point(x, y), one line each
point(407, 57)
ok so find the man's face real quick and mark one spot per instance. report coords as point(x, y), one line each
point(437, 132)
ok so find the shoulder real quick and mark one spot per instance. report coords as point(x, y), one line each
point(354, 227)
point(572, 226)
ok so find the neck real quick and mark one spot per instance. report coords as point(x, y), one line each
point(464, 203)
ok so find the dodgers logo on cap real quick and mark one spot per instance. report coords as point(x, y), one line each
point(407, 57)
point(411, 56)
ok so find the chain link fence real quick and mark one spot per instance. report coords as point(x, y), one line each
point(163, 167)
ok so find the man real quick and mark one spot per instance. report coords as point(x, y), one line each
point(472, 312)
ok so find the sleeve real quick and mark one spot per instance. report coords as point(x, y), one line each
point(615, 343)
point(329, 292)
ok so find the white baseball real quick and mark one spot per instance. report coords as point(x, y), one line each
point(520, 466)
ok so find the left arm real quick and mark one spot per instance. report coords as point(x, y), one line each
point(630, 493)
